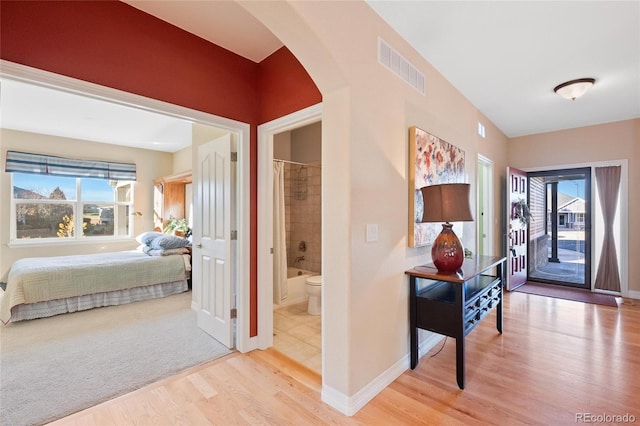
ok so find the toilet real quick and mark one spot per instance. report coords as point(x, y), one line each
point(314, 290)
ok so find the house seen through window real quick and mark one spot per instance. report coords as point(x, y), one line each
point(59, 207)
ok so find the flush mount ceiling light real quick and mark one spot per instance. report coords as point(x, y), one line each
point(575, 88)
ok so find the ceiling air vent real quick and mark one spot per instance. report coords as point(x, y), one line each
point(404, 69)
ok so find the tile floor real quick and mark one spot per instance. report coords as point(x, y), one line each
point(298, 335)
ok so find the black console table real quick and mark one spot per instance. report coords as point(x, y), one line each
point(453, 304)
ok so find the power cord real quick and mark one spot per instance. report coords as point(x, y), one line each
point(441, 347)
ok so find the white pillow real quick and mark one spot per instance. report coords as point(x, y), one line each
point(147, 237)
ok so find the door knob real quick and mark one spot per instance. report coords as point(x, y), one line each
point(199, 246)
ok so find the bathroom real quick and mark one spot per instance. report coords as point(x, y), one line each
point(297, 247)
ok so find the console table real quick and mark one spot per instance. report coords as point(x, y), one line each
point(453, 304)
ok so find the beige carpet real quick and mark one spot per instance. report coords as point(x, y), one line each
point(43, 330)
point(52, 367)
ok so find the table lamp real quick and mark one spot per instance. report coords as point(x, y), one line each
point(446, 203)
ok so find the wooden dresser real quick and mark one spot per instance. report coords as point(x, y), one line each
point(169, 198)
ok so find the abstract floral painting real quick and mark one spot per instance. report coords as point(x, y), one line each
point(431, 161)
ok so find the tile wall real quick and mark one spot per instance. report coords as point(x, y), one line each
point(303, 215)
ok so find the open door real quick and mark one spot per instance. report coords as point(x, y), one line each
point(517, 238)
point(213, 249)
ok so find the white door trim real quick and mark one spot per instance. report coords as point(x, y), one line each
point(488, 203)
point(11, 70)
point(266, 133)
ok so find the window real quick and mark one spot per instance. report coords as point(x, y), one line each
point(50, 207)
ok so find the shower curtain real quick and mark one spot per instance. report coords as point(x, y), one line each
point(279, 235)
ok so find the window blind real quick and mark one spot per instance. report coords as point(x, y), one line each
point(23, 162)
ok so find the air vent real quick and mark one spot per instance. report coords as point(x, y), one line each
point(390, 58)
point(481, 130)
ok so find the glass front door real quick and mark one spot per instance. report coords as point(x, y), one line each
point(559, 235)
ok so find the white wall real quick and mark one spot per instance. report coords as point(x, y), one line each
point(367, 112)
point(182, 161)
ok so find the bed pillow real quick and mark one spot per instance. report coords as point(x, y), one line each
point(147, 237)
point(168, 242)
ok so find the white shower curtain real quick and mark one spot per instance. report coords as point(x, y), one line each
point(279, 235)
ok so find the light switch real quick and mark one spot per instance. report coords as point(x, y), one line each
point(372, 232)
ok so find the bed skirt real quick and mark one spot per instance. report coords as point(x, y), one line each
point(90, 301)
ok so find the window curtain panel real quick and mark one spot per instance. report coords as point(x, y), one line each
point(23, 162)
point(280, 288)
point(608, 275)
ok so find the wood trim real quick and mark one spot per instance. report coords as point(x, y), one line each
point(185, 177)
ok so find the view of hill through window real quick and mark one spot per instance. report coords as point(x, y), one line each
point(46, 207)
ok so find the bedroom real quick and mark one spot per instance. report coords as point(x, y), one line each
point(151, 165)
point(60, 124)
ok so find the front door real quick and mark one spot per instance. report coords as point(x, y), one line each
point(517, 228)
point(213, 251)
point(559, 236)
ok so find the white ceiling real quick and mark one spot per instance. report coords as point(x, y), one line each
point(505, 57)
point(37, 109)
point(224, 23)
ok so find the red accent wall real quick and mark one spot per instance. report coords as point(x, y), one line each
point(115, 45)
point(284, 86)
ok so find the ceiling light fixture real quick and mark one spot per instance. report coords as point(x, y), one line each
point(575, 88)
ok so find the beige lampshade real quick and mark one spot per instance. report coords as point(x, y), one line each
point(447, 202)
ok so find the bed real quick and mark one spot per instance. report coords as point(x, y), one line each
point(43, 287)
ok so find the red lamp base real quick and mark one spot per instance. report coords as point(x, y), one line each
point(447, 252)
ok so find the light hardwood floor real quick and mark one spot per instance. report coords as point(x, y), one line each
point(556, 360)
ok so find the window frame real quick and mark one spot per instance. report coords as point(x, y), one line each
point(77, 205)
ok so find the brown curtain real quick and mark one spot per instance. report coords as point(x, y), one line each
point(608, 276)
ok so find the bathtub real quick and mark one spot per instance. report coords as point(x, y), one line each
point(296, 286)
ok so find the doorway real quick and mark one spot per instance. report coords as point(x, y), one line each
point(267, 135)
point(198, 119)
point(297, 320)
point(560, 227)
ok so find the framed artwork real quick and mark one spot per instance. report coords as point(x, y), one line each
point(431, 161)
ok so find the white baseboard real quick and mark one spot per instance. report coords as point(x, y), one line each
point(248, 345)
point(336, 399)
point(349, 405)
point(633, 294)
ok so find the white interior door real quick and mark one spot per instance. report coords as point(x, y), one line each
point(213, 248)
point(517, 237)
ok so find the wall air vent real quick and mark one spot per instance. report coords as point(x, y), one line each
point(390, 58)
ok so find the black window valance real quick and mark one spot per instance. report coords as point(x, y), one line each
point(23, 162)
